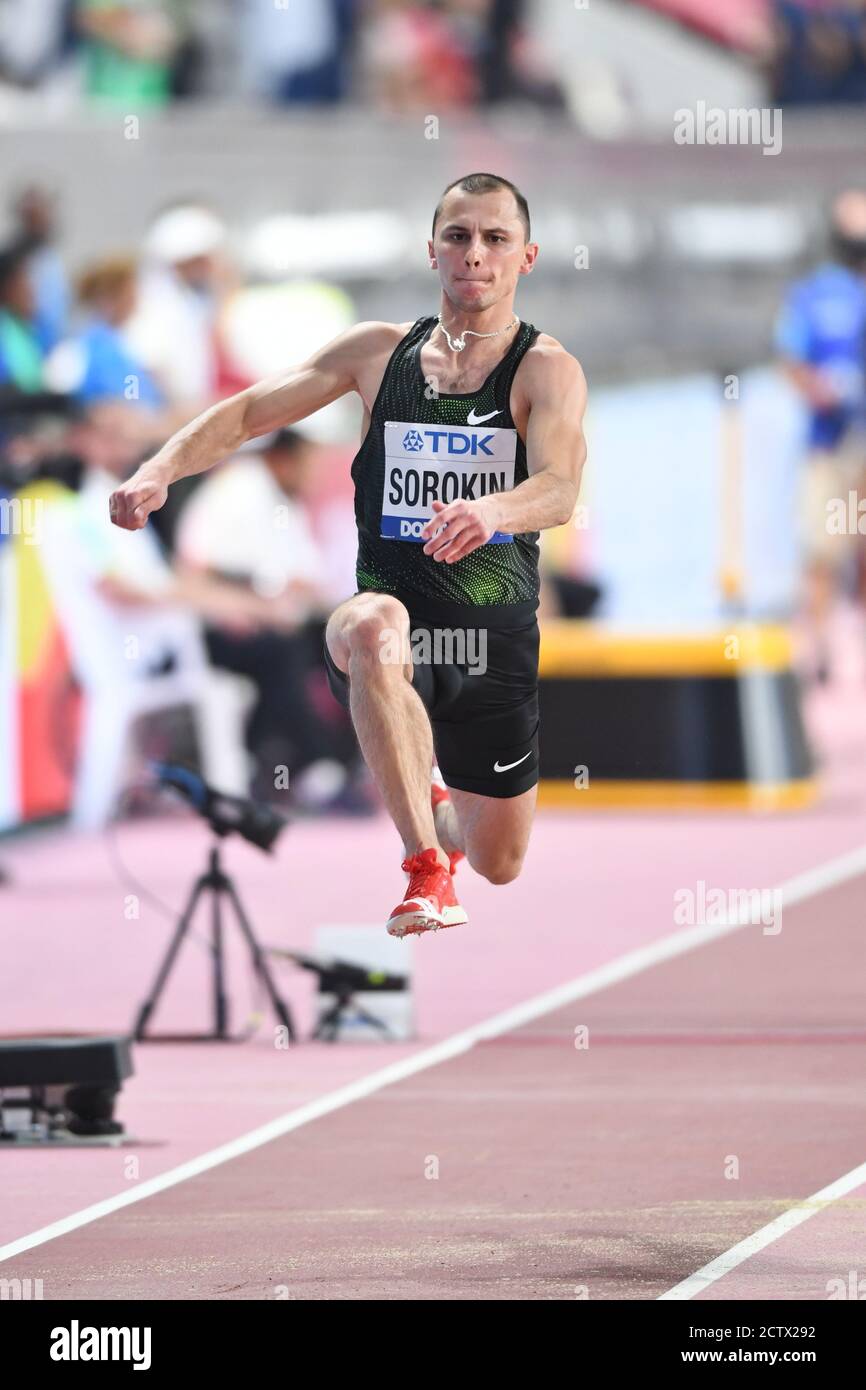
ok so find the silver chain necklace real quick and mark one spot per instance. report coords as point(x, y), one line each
point(458, 344)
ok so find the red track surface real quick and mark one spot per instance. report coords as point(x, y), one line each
point(528, 1168)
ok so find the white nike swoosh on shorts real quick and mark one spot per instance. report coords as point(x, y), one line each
point(473, 419)
point(509, 766)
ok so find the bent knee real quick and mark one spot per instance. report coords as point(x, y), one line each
point(499, 868)
point(365, 625)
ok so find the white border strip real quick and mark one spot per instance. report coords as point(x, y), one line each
point(806, 885)
point(788, 1221)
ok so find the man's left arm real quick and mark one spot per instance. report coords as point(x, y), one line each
point(556, 452)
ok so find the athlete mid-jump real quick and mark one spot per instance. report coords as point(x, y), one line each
point(472, 444)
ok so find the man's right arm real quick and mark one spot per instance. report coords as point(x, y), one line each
point(218, 432)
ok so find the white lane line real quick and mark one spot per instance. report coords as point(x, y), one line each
point(788, 1221)
point(794, 890)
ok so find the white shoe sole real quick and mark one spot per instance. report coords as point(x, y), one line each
point(416, 923)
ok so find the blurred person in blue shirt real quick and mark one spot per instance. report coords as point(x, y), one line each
point(101, 363)
point(821, 338)
point(296, 51)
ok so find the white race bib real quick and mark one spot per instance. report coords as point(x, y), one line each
point(441, 463)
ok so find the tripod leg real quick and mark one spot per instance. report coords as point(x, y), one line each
point(152, 999)
point(220, 1003)
point(259, 963)
point(371, 1019)
point(326, 1028)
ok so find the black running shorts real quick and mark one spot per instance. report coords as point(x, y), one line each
point(479, 685)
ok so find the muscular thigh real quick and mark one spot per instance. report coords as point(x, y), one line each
point(490, 822)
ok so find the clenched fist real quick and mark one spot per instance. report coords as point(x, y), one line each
point(132, 503)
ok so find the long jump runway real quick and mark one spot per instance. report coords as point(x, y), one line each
point(611, 1147)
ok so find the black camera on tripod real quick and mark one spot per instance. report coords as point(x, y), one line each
point(226, 815)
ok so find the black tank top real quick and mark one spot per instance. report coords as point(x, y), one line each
point(422, 447)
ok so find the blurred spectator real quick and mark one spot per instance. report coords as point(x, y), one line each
point(129, 49)
point(173, 330)
point(247, 524)
point(512, 66)
point(189, 58)
point(35, 214)
point(248, 521)
point(821, 337)
point(108, 446)
point(24, 337)
point(36, 433)
point(97, 364)
point(297, 50)
point(415, 55)
point(129, 621)
point(819, 52)
point(35, 39)
point(108, 441)
point(421, 56)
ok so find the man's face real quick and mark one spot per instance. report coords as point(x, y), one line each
point(479, 248)
point(292, 469)
point(198, 271)
point(109, 437)
point(848, 221)
point(119, 303)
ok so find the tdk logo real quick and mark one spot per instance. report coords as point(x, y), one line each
point(411, 528)
point(460, 443)
point(455, 445)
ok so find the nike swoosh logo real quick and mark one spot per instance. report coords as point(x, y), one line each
point(473, 419)
point(508, 766)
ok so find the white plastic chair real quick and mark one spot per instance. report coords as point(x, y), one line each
point(113, 650)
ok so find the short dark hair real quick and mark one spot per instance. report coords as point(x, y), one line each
point(285, 441)
point(486, 183)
